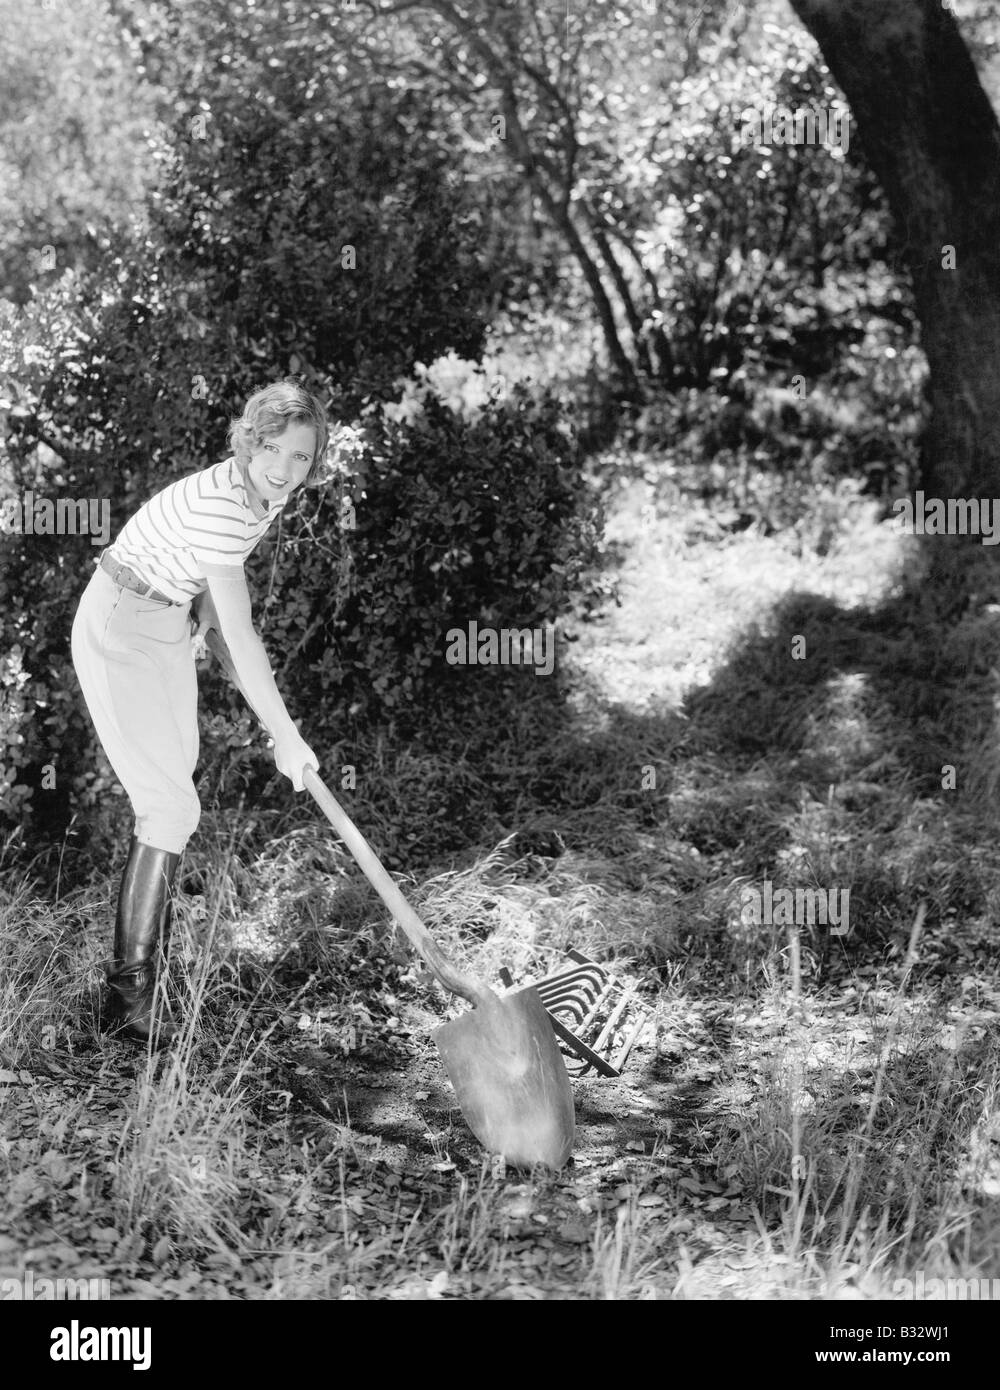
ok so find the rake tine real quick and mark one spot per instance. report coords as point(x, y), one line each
point(609, 1027)
point(630, 1041)
point(580, 993)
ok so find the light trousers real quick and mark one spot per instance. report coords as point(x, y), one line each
point(134, 662)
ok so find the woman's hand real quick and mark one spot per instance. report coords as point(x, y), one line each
point(204, 619)
point(292, 755)
point(205, 614)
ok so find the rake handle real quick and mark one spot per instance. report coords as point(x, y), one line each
point(419, 937)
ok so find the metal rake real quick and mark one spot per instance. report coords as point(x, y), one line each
point(596, 1017)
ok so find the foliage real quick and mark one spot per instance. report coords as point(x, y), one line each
point(454, 521)
point(769, 254)
point(699, 251)
point(73, 107)
point(861, 422)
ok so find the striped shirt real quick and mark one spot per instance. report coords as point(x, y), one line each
point(203, 519)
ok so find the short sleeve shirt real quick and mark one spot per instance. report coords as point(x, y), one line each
point(204, 519)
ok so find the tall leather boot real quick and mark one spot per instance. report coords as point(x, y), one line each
point(142, 932)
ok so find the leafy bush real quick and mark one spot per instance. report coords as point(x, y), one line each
point(861, 420)
point(443, 520)
point(732, 252)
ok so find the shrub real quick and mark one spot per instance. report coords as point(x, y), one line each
point(443, 520)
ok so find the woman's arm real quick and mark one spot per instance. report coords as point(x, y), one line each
point(231, 600)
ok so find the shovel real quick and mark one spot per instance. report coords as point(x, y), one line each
point(502, 1057)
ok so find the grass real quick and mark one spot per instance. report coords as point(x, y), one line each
point(820, 1113)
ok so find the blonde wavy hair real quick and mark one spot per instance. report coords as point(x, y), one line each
point(269, 412)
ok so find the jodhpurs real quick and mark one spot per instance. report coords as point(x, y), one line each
point(134, 663)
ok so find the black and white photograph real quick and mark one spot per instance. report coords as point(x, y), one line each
point(500, 671)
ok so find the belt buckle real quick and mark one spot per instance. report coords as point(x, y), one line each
point(122, 574)
point(137, 586)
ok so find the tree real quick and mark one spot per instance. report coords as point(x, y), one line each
point(932, 138)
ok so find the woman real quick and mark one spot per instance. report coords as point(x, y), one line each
point(133, 656)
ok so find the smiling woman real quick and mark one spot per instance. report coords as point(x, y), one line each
point(278, 466)
point(132, 653)
point(281, 426)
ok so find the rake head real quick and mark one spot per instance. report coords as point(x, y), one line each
point(596, 1017)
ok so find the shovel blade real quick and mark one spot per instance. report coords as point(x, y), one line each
point(510, 1079)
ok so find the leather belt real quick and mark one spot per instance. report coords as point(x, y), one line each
point(127, 578)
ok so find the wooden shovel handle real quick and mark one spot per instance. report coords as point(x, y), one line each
point(420, 938)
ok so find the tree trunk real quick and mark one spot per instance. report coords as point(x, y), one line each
point(660, 343)
point(562, 220)
point(933, 140)
point(632, 315)
point(560, 217)
point(502, 64)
